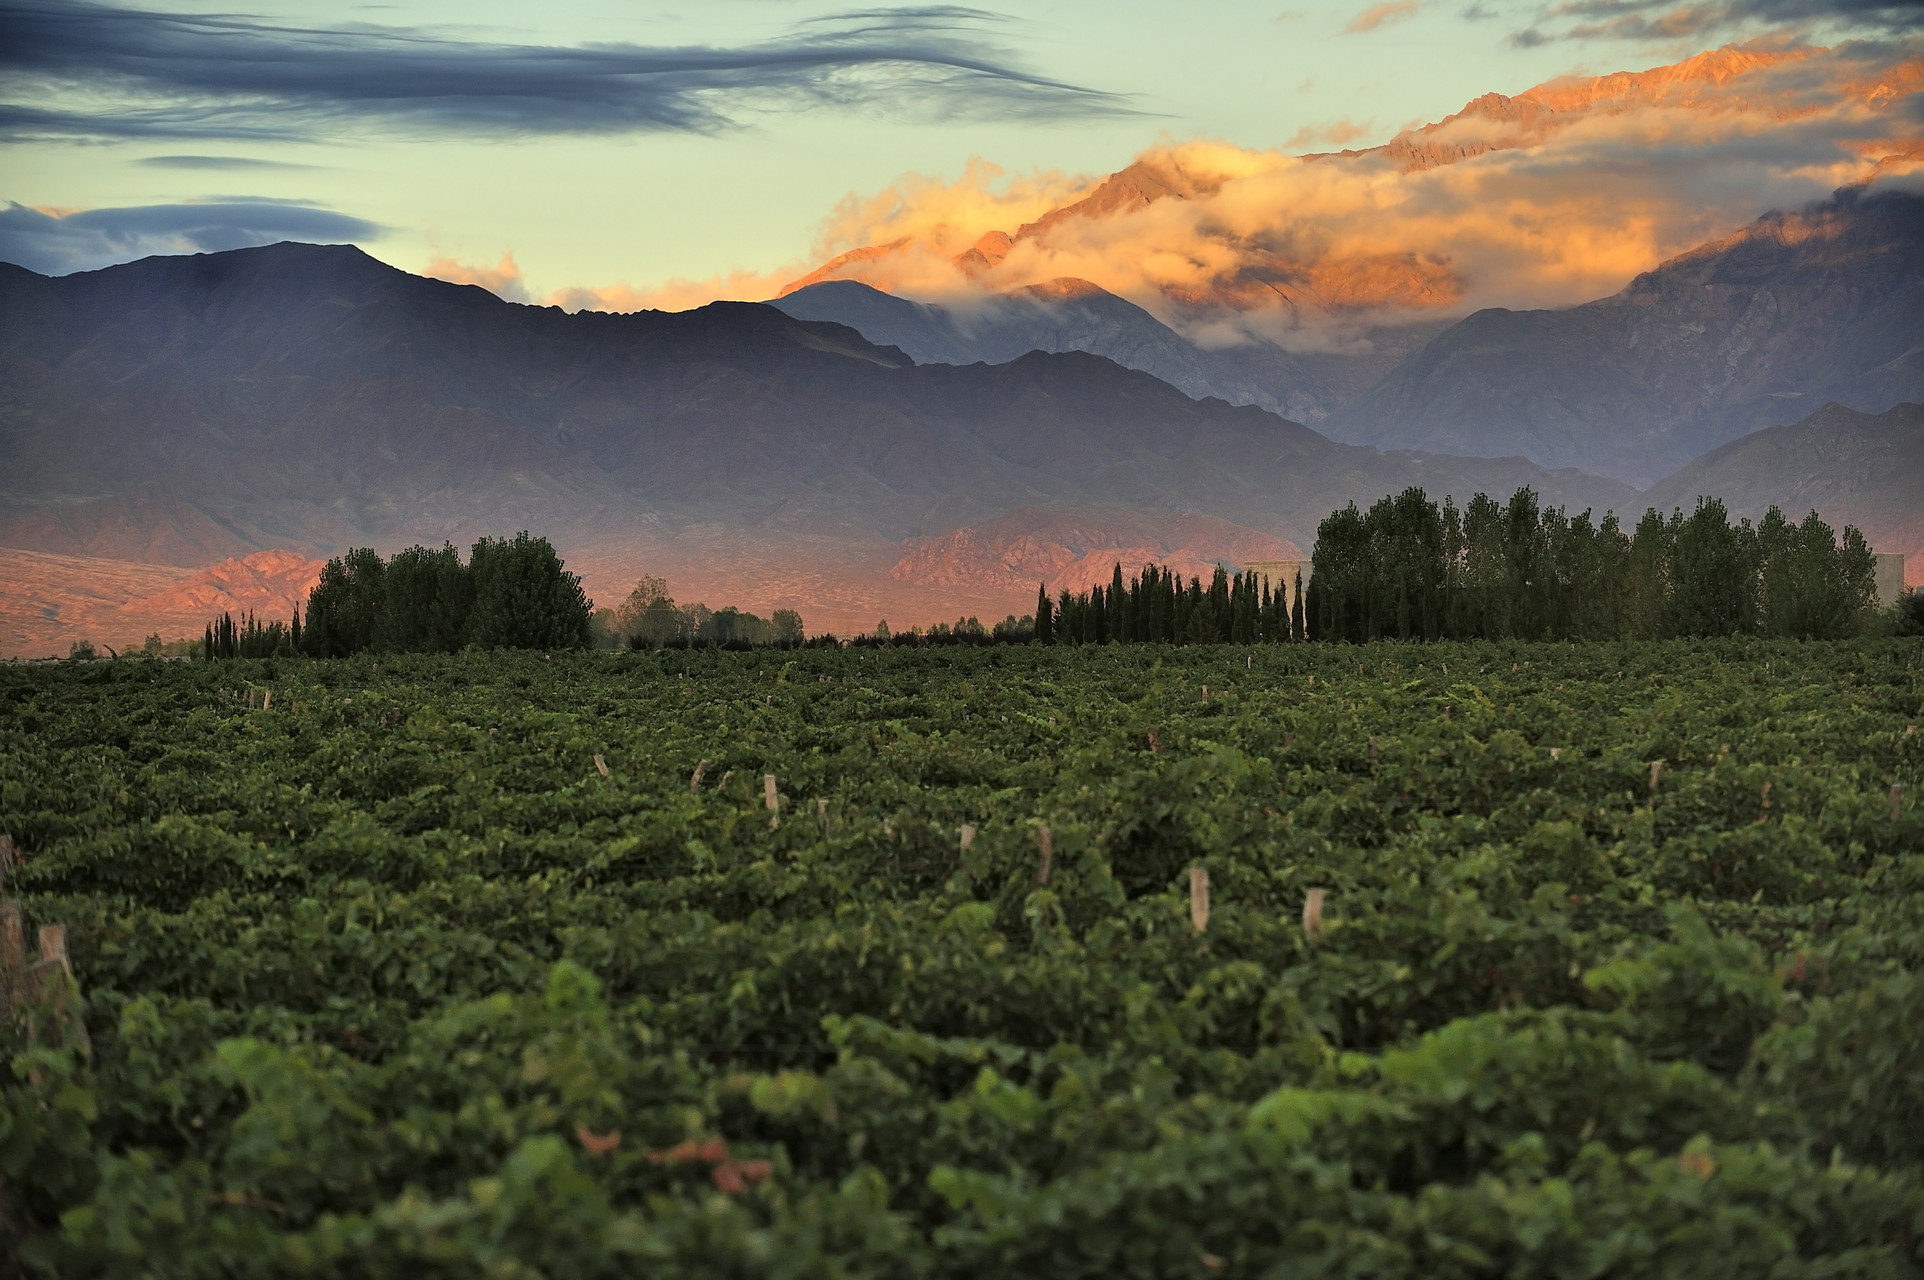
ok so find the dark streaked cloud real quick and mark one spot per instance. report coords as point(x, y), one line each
point(221, 163)
point(55, 242)
point(96, 70)
point(1707, 19)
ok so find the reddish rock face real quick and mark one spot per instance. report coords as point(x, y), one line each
point(1080, 547)
point(49, 601)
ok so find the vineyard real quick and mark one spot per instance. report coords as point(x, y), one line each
point(1440, 960)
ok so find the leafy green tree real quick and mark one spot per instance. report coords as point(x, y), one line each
point(524, 597)
point(660, 623)
point(426, 597)
point(1713, 574)
point(344, 605)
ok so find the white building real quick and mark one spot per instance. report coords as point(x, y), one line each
point(1890, 578)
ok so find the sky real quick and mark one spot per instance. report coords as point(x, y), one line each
point(601, 152)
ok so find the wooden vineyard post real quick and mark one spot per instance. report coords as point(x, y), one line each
point(13, 958)
point(1045, 842)
point(694, 779)
point(967, 837)
point(601, 766)
point(1656, 776)
point(1313, 913)
point(1199, 898)
point(769, 798)
point(24, 986)
point(821, 811)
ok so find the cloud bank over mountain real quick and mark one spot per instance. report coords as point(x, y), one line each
point(1552, 197)
point(57, 241)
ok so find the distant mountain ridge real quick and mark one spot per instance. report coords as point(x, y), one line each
point(1800, 309)
point(194, 408)
point(1074, 315)
point(1756, 330)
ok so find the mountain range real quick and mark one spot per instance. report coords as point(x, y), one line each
point(179, 411)
point(1074, 315)
point(1755, 330)
point(186, 409)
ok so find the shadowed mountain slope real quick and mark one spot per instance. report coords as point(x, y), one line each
point(186, 409)
point(1752, 331)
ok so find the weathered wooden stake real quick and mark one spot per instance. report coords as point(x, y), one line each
point(1155, 743)
point(1897, 797)
point(13, 955)
point(53, 947)
point(1313, 913)
point(1289, 740)
point(1199, 898)
point(1656, 776)
point(1205, 693)
point(601, 766)
point(1373, 747)
point(1045, 841)
point(968, 836)
point(769, 799)
point(694, 779)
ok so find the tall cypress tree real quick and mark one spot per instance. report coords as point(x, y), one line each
point(1044, 615)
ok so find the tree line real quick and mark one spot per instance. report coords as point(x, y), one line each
point(650, 619)
point(513, 593)
point(1407, 568)
point(1157, 607)
point(1411, 568)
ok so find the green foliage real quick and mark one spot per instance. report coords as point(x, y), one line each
point(427, 598)
point(1411, 569)
point(524, 598)
point(389, 979)
point(513, 593)
point(344, 608)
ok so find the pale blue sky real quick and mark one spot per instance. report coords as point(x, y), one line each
point(723, 163)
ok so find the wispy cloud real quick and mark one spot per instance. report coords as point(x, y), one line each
point(57, 241)
point(1378, 15)
point(1667, 20)
point(97, 70)
point(503, 279)
point(1342, 133)
point(215, 163)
